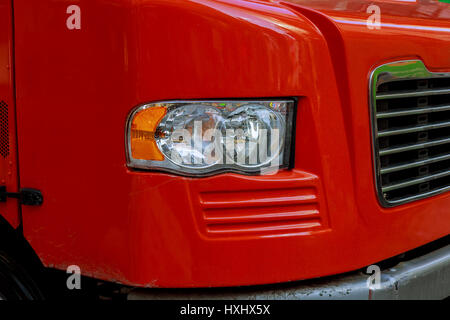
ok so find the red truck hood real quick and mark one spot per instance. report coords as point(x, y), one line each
point(419, 9)
point(407, 28)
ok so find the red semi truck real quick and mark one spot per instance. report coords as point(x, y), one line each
point(161, 144)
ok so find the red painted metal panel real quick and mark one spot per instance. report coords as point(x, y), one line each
point(8, 151)
point(76, 87)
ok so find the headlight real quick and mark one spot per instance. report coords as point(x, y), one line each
point(204, 137)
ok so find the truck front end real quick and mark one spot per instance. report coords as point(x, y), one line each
point(237, 143)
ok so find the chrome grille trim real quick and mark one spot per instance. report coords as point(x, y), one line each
point(416, 181)
point(412, 129)
point(419, 196)
point(411, 147)
point(400, 113)
point(410, 114)
point(421, 93)
point(414, 164)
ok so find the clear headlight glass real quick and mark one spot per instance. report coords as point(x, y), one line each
point(206, 137)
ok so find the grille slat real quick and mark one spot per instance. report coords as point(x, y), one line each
point(409, 183)
point(415, 146)
point(411, 119)
point(415, 164)
point(409, 112)
point(423, 195)
point(411, 129)
point(412, 94)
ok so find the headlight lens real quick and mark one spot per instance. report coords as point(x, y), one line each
point(205, 137)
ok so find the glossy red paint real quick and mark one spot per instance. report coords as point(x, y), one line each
point(8, 152)
point(76, 88)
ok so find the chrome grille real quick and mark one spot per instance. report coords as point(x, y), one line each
point(411, 132)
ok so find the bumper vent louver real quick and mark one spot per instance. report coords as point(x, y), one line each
point(411, 132)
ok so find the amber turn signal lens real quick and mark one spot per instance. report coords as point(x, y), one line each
point(143, 128)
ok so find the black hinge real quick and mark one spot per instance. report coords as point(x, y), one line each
point(26, 196)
